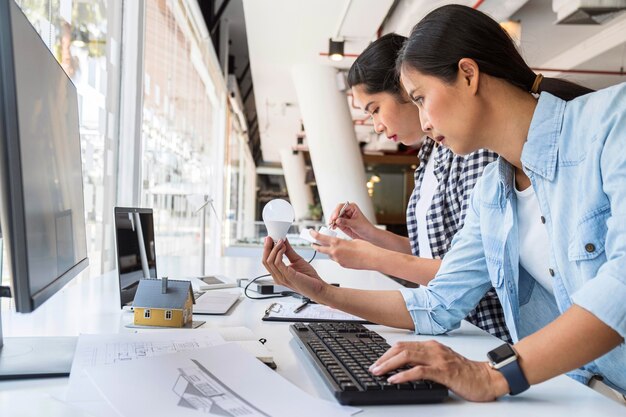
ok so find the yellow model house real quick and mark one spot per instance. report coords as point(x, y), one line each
point(163, 303)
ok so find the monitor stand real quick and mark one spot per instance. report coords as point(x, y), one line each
point(35, 357)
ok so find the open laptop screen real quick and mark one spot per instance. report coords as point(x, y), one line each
point(136, 253)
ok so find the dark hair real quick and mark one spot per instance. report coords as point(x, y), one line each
point(448, 34)
point(375, 67)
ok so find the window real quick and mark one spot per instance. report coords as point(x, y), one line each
point(168, 314)
point(183, 118)
point(84, 37)
point(146, 313)
point(178, 125)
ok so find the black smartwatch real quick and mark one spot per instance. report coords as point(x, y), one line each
point(504, 360)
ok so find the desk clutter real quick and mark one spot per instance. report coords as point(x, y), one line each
point(307, 312)
point(186, 372)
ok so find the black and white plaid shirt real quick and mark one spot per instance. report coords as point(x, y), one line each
point(456, 176)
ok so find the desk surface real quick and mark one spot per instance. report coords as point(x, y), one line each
point(90, 305)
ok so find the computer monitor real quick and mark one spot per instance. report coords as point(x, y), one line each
point(41, 188)
point(135, 247)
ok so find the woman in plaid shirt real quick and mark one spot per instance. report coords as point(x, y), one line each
point(436, 209)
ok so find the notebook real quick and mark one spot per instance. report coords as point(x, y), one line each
point(136, 259)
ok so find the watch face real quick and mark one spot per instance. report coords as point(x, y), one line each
point(501, 353)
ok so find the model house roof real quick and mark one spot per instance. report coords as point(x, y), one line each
point(150, 294)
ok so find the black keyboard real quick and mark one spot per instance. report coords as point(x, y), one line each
point(342, 354)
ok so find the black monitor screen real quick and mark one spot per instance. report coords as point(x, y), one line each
point(136, 252)
point(42, 184)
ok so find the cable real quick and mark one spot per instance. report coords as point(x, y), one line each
point(282, 294)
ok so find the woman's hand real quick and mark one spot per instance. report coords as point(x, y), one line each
point(355, 254)
point(299, 275)
point(352, 222)
point(474, 381)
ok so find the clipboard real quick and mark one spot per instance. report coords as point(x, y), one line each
point(313, 313)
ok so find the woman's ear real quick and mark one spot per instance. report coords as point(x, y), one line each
point(469, 73)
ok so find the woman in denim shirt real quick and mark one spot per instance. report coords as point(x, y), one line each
point(437, 207)
point(564, 294)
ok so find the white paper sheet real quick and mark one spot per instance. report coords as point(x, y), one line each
point(236, 333)
point(221, 381)
point(109, 349)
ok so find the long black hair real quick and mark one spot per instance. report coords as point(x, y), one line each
point(448, 34)
point(375, 67)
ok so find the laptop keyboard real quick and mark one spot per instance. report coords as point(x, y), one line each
point(342, 354)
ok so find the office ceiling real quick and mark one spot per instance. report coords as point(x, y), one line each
point(282, 33)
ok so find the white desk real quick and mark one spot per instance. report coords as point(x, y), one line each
point(91, 306)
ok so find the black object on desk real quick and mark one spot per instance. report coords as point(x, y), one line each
point(305, 302)
point(342, 354)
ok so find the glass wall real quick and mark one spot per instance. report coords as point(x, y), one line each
point(182, 132)
point(178, 131)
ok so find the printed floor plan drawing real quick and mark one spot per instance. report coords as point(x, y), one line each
point(109, 350)
point(200, 390)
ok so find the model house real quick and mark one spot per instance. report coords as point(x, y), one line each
point(164, 303)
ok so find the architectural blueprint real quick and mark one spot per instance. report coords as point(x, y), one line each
point(106, 350)
point(222, 380)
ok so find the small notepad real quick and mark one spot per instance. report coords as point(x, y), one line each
point(312, 313)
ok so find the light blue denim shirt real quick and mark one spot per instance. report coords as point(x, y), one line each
point(575, 157)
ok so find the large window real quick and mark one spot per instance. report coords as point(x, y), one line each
point(178, 137)
point(179, 117)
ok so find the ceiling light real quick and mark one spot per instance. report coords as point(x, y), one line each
point(335, 49)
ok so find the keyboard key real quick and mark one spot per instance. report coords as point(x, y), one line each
point(349, 386)
point(371, 386)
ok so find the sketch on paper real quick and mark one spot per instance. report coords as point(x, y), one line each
point(114, 352)
point(200, 390)
point(106, 350)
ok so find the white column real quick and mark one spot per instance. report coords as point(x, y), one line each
point(335, 153)
point(130, 176)
point(216, 177)
point(250, 195)
point(300, 194)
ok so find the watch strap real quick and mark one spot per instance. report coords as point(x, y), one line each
point(515, 377)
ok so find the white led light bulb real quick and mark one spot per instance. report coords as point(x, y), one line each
point(278, 216)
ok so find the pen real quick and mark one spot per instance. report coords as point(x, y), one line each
point(302, 306)
point(343, 209)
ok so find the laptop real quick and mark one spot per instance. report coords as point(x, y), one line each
point(136, 259)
